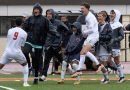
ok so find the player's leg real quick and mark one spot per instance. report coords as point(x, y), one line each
point(63, 71)
point(86, 48)
point(92, 57)
point(4, 59)
point(36, 60)
point(100, 67)
point(26, 50)
point(112, 65)
point(25, 74)
point(64, 64)
point(20, 58)
point(47, 58)
point(116, 56)
point(103, 60)
point(75, 67)
point(59, 56)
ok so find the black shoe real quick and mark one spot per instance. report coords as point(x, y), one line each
point(35, 82)
point(121, 80)
point(42, 78)
point(105, 81)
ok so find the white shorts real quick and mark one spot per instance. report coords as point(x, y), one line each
point(103, 57)
point(90, 41)
point(16, 55)
point(116, 52)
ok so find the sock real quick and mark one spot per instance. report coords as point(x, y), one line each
point(105, 75)
point(81, 62)
point(25, 73)
point(120, 70)
point(63, 71)
point(92, 57)
point(78, 78)
point(63, 74)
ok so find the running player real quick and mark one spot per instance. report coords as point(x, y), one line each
point(92, 35)
point(15, 40)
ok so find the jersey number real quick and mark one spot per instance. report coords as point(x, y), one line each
point(15, 35)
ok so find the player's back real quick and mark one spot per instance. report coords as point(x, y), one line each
point(16, 38)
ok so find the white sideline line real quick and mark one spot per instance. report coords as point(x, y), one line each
point(7, 88)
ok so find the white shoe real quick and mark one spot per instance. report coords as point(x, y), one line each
point(43, 78)
point(26, 85)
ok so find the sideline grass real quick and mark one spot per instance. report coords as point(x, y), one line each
point(52, 85)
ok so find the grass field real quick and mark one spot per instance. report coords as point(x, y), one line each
point(51, 84)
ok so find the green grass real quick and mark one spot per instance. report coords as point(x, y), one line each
point(52, 85)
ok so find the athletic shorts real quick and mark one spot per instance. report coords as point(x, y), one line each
point(103, 57)
point(116, 52)
point(10, 55)
point(91, 41)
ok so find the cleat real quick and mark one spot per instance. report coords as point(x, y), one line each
point(121, 80)
point(100, 67)
point(43, 78)
point(26, 85)
point(105, 81)
point(77, 82)
point(35, 82)
point(76, 74)
point(61, 82)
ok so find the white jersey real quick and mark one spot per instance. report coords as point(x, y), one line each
point(16, 38)
point(91, 30)
point(91, 26)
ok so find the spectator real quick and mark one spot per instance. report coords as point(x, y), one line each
point(128, 29)
point(117, 36)
point(37, 27)
point(103, 49)
point(53, 43)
